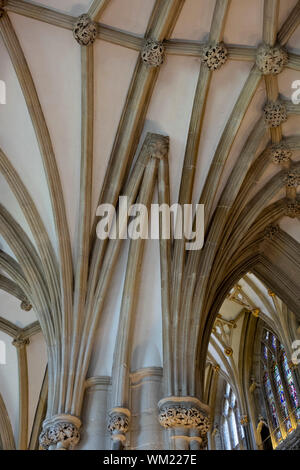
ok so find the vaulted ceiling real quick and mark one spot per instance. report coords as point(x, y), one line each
point(76, 117)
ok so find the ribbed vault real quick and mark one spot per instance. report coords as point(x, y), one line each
point(171, 101)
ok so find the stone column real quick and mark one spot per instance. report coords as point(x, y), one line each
point(188, 417)
point(61, 432)
point(118, 425)
point(21, 344)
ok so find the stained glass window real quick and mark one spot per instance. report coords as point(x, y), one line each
point(267, 335)
point(291, 385)
point(239, 421)
point(282, 398)
point(280, 379)
point(232, 400)
point(226, 435)
point(226, 407)
point(234, 429)
point(271, 400)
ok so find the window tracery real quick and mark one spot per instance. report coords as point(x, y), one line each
point(233, 433)
point(279, 389)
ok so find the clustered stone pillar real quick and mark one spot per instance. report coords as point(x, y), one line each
point(188, 418)
point(118, 425)
point(61, 432)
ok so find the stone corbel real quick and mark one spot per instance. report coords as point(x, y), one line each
point(185, 413)
point(118, 425)
point(61, 432)
point(157, 146)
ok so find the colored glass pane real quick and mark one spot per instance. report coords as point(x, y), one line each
point(291, 385)
point(281, 395)
point(271, 400)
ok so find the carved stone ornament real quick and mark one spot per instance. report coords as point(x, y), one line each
point(214, 56)
point(60, 434)
point(228, 351)
point(274, 113)
point(153, 53)
point(187, 413)
point(118, 421)
point(244, 420)
point(26, 305)
point(293, 209)
point(271, 60)
point(292, 179)
point(270, 231)
point(280, 153)
point(158, 145)
point(85, 30)
point(255, 312)
point(20, 342)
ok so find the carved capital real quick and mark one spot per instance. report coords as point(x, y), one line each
point(274, 113)
point(255, 312)
point(157, 145)
point(254, 385)
point(293, 209)
point(60, 433)
point(26, 305)
point(20, 342)
point(270, 231)
point(292, 179)
point(271, 60)
point(280, 153)
point(153, 53)
point(118, 423)
point(184, 412)
point(85, 30)
point(244, 420)
point(214, 56)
